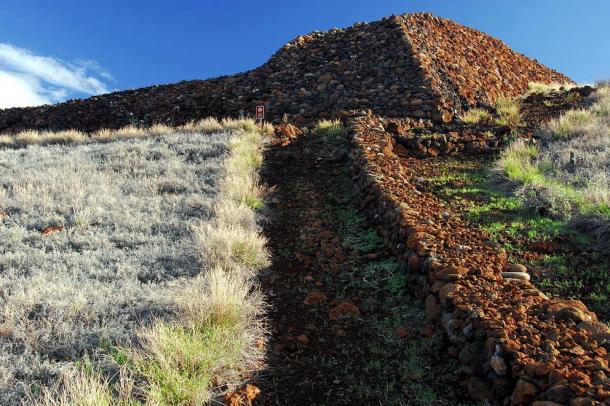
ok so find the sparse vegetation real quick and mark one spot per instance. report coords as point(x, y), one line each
point(567, 174)
point(474, 116)
point(573, 123)
point(219, 333)
point(138, 284)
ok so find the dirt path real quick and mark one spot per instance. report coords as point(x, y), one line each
point(344, 329)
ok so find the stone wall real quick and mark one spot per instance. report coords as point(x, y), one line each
point(415, 66)
point(515, 346)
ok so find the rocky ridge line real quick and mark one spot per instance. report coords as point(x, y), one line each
point(416, 65)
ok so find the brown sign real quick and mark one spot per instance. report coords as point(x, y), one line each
point(260, 112)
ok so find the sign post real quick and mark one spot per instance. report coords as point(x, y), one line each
point(260, 114)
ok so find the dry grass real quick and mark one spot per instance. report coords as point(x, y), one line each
point(220, 333)
point(573, 123)
point(546, 88)
point(178, 311)
point(84, 387)
point(204, 126)
point(124, 244)
point(215, 340)
point(474, 116)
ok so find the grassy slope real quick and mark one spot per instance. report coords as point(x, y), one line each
point(158, 213)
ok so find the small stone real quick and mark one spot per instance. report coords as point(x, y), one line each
point(583, 402)
point(401, 150)
point(573, 310)
point(596, 329)
point(340, 332)
point(433, 308)
point(516, 268)
point(303, 339)
point(479, 390)
point(516, 275)
point(52, 230)
point(243, 396)
point(498, 365)
point(314, 298)
point(559, 393)
point(580, 378)
point(523, 394)
point(343, 309)
point(402, 332)
point(451, 273)
point(446, 291)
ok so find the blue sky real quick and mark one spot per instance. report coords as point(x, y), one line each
point(103, 45)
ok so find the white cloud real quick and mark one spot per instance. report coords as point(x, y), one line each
point(27, 79)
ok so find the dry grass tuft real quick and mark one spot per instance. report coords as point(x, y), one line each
point(573, 123)
point(329, 128)
point(84, 387)
point(509, 112)
point(231, 246)
point(216, 338)
point(546, 88)
point(474, 116)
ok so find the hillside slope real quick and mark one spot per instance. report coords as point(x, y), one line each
point(414, 65)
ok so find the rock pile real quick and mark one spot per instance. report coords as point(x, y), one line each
point(417, 66)
point(412, 137)
point(515, 346)
point(466, 66)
